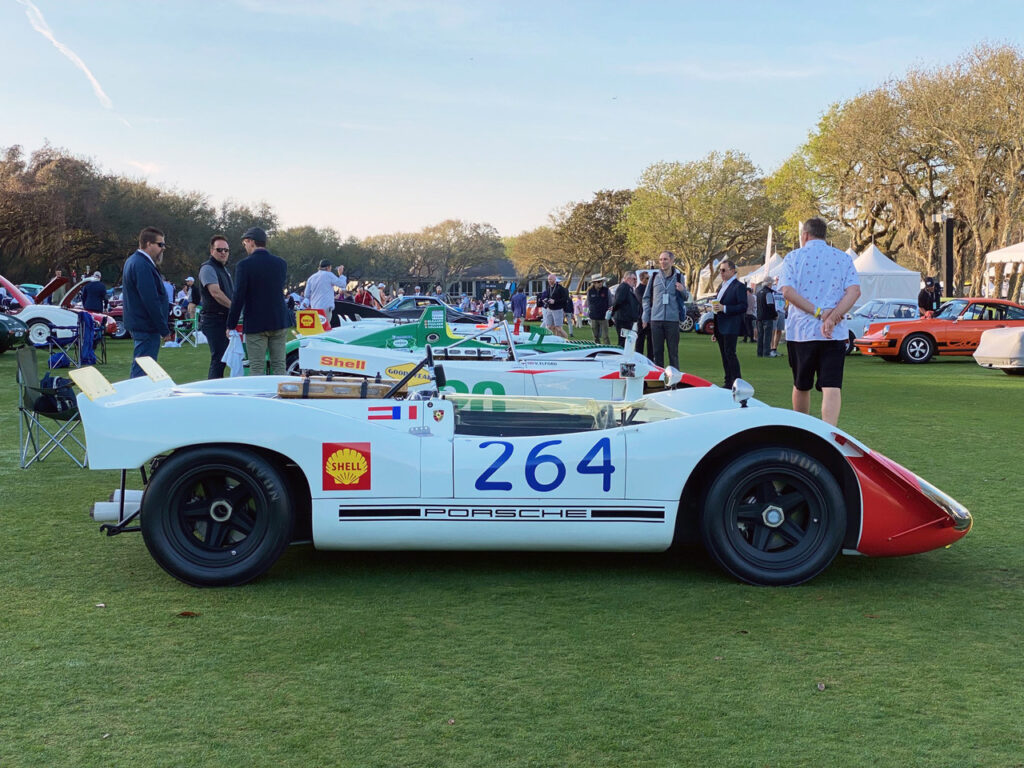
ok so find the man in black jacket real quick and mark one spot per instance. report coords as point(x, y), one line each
point(766, 316)
point(552, 302)
point(626, 308)
point(259, 291)
point(217, 289)
point(598, 304)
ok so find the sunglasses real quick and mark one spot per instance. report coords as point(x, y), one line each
point(723, 269)
point(160, 245)
point(222, 250)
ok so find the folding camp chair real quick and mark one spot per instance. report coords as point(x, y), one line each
point(48, 415)
point(64, 340)
point(187, 331)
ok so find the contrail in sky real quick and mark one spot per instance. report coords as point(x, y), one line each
point(35, 18)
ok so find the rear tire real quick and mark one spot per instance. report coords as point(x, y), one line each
point(291, 363)
point(774, 517)
point(850, 346)
point(39, 332)
point(686, 324)
point(917, 348)
point(216, 517)
point(121, 332)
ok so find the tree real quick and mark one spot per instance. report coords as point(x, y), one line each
point(591, 232)
point(703, 210)
point(454, 246)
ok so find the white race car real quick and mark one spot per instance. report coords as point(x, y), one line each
point(239, 468)
point(479, 370)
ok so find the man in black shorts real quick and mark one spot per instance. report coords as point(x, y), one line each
point(821, 285)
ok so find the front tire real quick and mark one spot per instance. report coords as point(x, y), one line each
point(774, 517)
point(216, 517)
point(291, 362)
point(686, 324)
point(121, 332)
point(917, 348)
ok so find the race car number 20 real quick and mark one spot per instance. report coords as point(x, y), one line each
point(597, 461)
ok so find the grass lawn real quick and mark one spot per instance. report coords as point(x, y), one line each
point(451, 659)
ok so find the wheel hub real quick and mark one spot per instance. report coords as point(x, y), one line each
point(220, 511)
point(773, 516)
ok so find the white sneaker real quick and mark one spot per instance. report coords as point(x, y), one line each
point(773, 353)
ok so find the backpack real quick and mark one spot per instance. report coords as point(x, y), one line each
point(60, 397)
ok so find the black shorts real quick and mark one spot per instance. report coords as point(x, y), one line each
point(824, 358)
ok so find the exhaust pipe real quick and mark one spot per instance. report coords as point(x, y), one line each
point(110, 511)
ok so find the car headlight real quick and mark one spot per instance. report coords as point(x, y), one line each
point(960, 514)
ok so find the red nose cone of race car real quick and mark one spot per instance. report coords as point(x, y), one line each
point(903, 514)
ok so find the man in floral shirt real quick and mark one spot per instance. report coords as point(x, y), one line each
point(821, 285)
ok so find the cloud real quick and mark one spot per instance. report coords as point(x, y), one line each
point(370, 13)
point(35, 18)
point(147, 168)
point(741, 72)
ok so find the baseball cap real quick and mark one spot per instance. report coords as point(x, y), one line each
point(255, 233)
point(929, 281)
point(97, 274)
point(190, 279)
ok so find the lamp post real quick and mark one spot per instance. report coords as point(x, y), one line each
point(946, 260)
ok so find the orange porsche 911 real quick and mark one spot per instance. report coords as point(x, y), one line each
point(954, 330)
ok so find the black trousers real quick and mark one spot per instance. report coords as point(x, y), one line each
point(748, 328)
point(667, 333)
point(215, 328)
point(731, 363)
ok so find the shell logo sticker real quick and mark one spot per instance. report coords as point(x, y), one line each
point(306, 321)
point(398, 371)
point(346, 466)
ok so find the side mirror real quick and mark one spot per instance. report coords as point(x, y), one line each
point(742, 391)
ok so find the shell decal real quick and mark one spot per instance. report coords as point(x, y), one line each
point(346, 466)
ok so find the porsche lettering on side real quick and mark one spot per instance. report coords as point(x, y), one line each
point(245, 466)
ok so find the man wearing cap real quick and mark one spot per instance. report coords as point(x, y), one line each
point(766, 316)
point(259, 293)
point(94, 294)
point(319, 293)
point(552, 301)
point(145, 300)
point(928, 299)
point(598, 304)
point(216, 289)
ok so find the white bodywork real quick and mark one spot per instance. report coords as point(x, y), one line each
point(427, 485)
point(604, 377)
point(1001, 348)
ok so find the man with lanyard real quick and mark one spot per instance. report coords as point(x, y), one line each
point(928, 299)
point(663, 308)
point(821, 285)
point(145, 300)
point(217, 290)
point(319, 293)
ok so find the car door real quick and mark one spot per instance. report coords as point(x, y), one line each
point(964, 335)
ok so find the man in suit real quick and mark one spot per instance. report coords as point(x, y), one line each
point(626, 307)
point(259, 292)
point(145, 301)
point(729, 307)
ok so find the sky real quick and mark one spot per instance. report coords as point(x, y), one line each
point(378, 116)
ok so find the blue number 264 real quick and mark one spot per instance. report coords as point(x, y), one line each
point(597, 461)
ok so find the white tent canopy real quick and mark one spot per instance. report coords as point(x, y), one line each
point(882, 278)
point(1008, 255)
point(772, 269)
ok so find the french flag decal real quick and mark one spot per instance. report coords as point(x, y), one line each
point(390, 412)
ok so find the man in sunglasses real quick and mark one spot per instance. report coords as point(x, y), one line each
point(218, 289)
point(145, 300)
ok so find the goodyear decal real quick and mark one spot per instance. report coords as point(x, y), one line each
point(346, 466)
point(398, 371)
point(327, 361)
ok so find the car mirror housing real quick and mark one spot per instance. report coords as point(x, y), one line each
point(742, 391)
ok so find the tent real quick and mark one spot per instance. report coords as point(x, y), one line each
point(1008, 255)
point(882, 278)
point(772, 269)
point(1011, 254)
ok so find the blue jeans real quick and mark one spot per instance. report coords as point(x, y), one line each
point(146, 345)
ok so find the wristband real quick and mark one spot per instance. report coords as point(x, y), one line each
point(817, 311)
